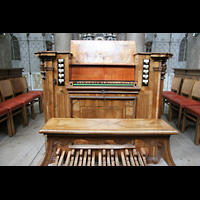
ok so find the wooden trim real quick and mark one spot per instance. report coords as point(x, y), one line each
point(100, 92)
point(103, 64)
point(157, 69)
point(102, 146)
point(99, 97)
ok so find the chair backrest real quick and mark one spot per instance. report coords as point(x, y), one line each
point(17, 86)
point(6, 89)
point(196, 90)
point(176, 84)
point(24, 83)
point(187, 87)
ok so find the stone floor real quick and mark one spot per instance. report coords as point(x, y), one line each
point(27, 147)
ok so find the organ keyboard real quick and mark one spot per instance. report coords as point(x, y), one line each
point(102, 83)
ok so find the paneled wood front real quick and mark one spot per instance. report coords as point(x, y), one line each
point(100, 107)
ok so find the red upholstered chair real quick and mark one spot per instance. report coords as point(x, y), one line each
point(185, 94)
point(4, 115)
point(27, 100)
point(38, 95)
point(180, 104)
point(192, 112)
point(175, 87)
point(14, 107)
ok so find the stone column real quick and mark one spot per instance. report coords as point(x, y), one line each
point(139, 38)
point(5, 51)
point(193, 51)
point(62, 41)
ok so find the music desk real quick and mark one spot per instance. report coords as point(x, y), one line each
point(139, 132)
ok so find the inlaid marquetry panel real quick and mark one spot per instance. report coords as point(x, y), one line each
point(100, 108)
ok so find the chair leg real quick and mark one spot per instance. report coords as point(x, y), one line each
point(9, 126)
point(12, 124)
point(25, 121)
point(183, 124)
point(40, 104)
point(197, 132)
point(32, 111)
point(170, 112)
point(179, 117)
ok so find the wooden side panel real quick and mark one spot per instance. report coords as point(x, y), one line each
point(60, 92)
point(150, 97)
point(51, 93)
point(144, 109)
point(48, 92)
point(62, 109)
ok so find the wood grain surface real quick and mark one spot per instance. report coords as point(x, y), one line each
point(107, 126)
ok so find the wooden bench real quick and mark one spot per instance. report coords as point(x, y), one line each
point(151, 132)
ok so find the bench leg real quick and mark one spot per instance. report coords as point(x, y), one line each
point(164, 149)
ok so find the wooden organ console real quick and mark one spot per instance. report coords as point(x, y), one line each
point(103, 79)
